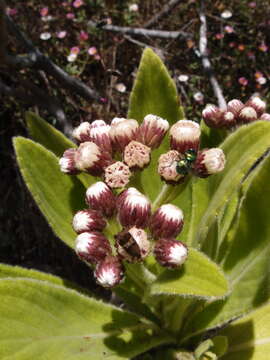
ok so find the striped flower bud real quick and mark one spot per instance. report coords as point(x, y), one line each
point(117, 120)
point(257, 104)
point(67, 162)
point(132, 245)
point(90, 158)
point(212, 116)
point(92, 247)
point(166, 222)
point(122, 196)
point(152, 130)
point(135, 210)
point(82, 132)
point(235, 106)
point(248, 114)
point(229, 119)
point(109, 272)
point(101, 198)
point(117, 175)
point(185, 135)
point(88, 220)
point(122, 132)
point(170, 253)
point(137, 155)
point(265, 116)
point(208, 162)
point(167, 166)
point(99, 134)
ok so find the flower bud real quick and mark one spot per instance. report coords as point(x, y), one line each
point(82, 132)
point(122, 132)
point(170, 253)
point(135, 210)
point(117, 175)
point(101, 198)
point(117, 120)
point(90, 158)
point(209, 161)
point(109, 272)
point(166, 222)
point(122, 196)
point(88, 220)
point(265, 116)
point(67, 162)
point(132, 245)
point(185, 135)
point(167, 166)
point(247, 114)
point(137, 155)
point(235, 106)
point(99, 134)
point(229, 119)
point(92, 247)
point(152, 130)
point(257, 104)
point(212, 116)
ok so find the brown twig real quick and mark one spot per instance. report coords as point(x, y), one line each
point(206, 61)
point(165, 11)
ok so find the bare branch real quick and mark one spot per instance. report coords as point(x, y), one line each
point(206, 61)
point(165, 11)
point(162, 34)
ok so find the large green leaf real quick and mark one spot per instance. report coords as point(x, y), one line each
point(249, 338)
point(242, 149)
point(43, 321)
point(247, 262)
point(198, 277)
point(58, 196)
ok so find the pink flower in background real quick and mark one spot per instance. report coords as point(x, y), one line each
point(219, 36)
point(252, 4)
point(12, 11)
point(243, 81)
point(78, 3)
point(75, 50)
point(229, 29)
point(83, 35)
point(61, 34)
point(92, 50)
point(263, 47)
point(97, 57)
point(232, 44)
point(70, 16)
point(44, 11)
point(65, 4)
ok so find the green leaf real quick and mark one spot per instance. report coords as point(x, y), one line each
point(42, 321)
point(242, 149)
point(247, 262)
point(58, 196)
point(154, 92)
point(198, 277)
point(249, 337)
point(47, 135)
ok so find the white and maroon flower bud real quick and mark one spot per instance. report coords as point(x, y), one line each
point(82, 132)
point(117, 120)
point(117, 175)
point(90, 158)
point(135, 210)
point(88, 220)
point(166, 222)
point(170, 253)
point(229, 119)
point(132, 245)
point(265, 116)
point(167, 165)
point(122, 196)
point(122, 132)
point(248, 114)
point(99, 134)
point(101, 198)
point(109, 272)
point(137, 155)
point(208, 162)
point(257, 104)
point(92, 247)
point(235, 106)
point(185, 135)
point(212, 116)
point(67, 162)
point(152, 130)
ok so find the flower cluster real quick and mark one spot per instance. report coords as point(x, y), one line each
point(114, 152)
point(237, 113)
